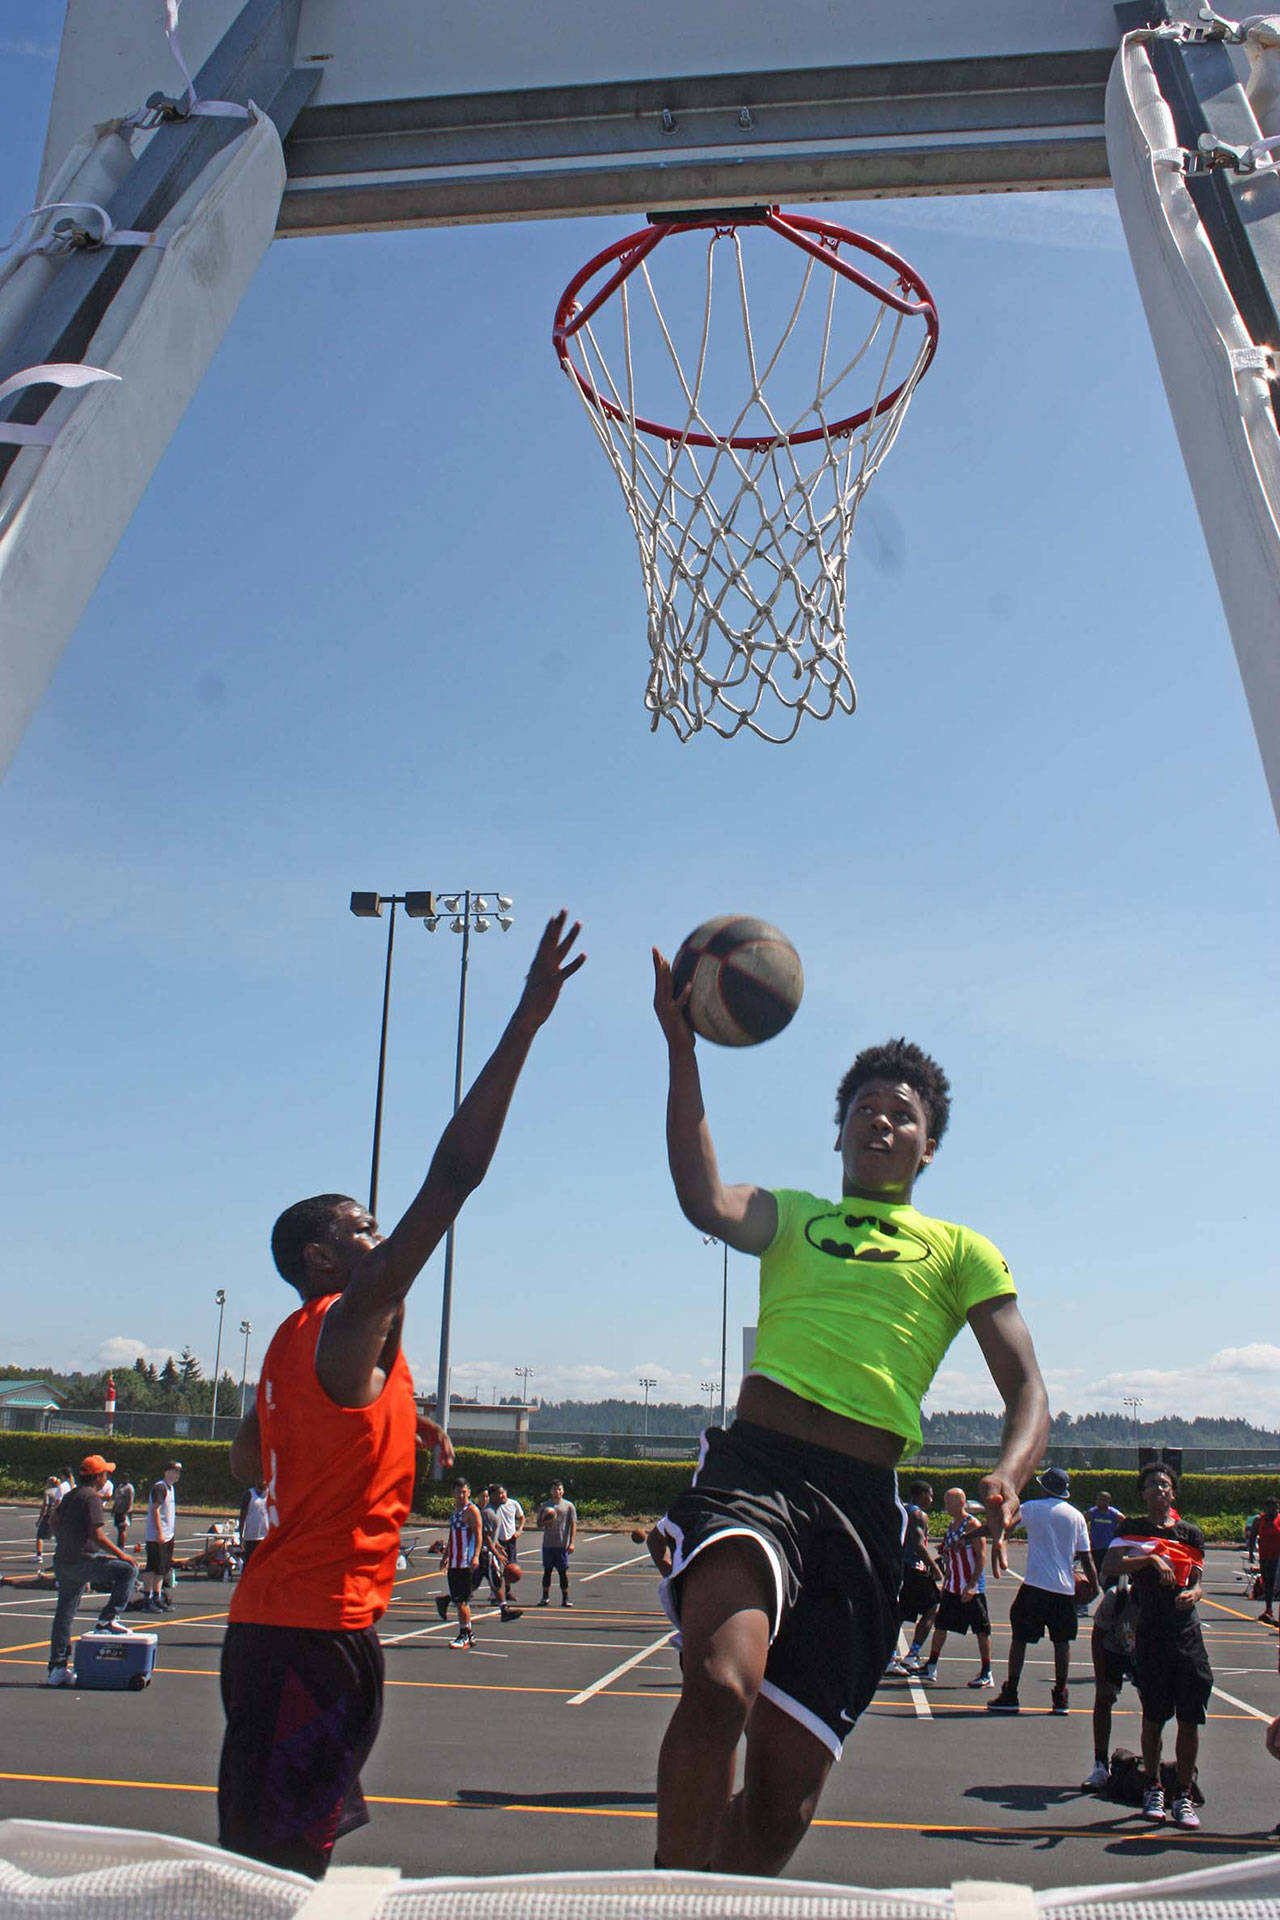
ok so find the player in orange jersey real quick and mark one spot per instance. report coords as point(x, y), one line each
point(333, 1436)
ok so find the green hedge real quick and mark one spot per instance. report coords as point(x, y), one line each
point(642, 1488)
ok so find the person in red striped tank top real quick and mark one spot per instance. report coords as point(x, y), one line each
point(964, 1588)
point(332, 1436)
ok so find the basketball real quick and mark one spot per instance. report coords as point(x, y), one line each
point(514, 1573)
point(746, 978)
point(1085, 1590)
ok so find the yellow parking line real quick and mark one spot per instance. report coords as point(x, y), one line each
point(1108, 1830)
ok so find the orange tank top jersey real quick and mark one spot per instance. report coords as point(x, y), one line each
point(339, 1484)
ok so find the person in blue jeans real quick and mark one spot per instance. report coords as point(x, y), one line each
point(84, 1556)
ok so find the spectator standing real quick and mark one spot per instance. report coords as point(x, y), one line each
point(44, 1519)
point(1163, 1557)
point(83, 1556)
point(921, 1578)
point(1104, 1518)
point(1268, 1538)
point(255, 1519)
point(460, 1551)
point(964, 1588)
point(488, 1567)
point(162, 1521)
point(1057, 1537)
point(507, 1543)
point(1111, 1649)
point(122, 1509)
point(558, 1519)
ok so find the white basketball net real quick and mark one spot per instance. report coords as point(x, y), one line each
point(744, 550)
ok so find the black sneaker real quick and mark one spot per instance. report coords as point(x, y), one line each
point(442, 1605)
point(1058, 1701)
point(510, 1613)
point(566, 1603)
point(1006, 1701)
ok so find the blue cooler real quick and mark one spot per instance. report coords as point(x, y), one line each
point(115, 1660)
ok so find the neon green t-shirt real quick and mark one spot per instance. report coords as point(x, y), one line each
point(859, 1301)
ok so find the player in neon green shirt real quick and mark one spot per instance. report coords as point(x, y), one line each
point(785, 1554)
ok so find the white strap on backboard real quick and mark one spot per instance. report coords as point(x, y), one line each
point(348, 1893)
point(1252, 360)
point(194, 106)
point(57, 374)
point(993, 1900)
point(53, 242)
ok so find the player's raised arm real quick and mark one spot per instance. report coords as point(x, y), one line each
point(360, 1321)
point(745, 1217)
point(1005, 1340)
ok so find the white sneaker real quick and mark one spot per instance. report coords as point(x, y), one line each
point(987, 1679)
point(1182, 1812)
point(897, 1667)
point(1097, 1779)
point(1153, 1804)
point(113, 1625)
point(60, 1677)
point(928, 1673)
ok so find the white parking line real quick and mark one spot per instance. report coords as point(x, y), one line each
point(616, 1568)
point(597, 1686)
point(918, 1698)
point(1244, 1706)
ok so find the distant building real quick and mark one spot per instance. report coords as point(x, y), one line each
point(472, 1423)
point(28, 1404)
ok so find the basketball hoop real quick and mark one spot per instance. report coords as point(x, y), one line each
point(744, 529)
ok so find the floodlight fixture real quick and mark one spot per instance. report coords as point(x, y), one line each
point(366, 906)
point(451, 904)
point(420, 906)
point(480, 904)
point(431, 922)
point(504, 921)
point(504, 904)
point(482, 925)
point(455, 925)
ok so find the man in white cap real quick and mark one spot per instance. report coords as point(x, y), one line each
point(84, 1556)
point(1057, 1537)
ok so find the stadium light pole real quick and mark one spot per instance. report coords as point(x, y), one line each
point(709, 1387)
point(1133, 1401)
point(246, 1329)
point(470, 912)
point(221, 1297)
point(368, 906)
point(709, 1240)
point(646, 1384)
point(524, 1375)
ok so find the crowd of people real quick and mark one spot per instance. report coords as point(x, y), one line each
point(1146, 1630)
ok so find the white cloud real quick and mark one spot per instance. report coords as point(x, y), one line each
point(121, 1350)
point(1234, 1382)
point(578, 1380)
point(34, 49)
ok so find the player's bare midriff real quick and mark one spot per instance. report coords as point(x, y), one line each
point(770, 1405)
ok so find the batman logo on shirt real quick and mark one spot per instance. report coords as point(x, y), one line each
point(848, 1235)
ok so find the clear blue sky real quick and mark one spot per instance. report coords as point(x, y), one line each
point(378, 624)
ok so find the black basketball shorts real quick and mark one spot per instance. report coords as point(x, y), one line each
point(461, 1582)
point(1174, 1682)
point(1036, 1611)
point(919, 1594)
point(957, 1615)
point(831, 1531)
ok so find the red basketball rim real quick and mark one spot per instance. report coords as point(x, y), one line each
point(801, 231)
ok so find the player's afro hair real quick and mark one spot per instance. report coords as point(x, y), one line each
point(1153, 1467)
point(305, 1223)
point(900, 1060)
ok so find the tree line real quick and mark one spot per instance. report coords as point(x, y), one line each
point(179, 1386)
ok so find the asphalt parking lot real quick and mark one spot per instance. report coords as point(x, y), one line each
point(537, 1752)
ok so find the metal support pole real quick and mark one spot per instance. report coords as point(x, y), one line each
point(724, 1331)
point(221, 1298)
point(382, 1065)
point(246, 1329)
point(446, 1304)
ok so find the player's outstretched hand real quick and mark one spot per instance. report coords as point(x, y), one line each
point(431, 1436)
point(549, 972)
point(670, 1005)
point(1002, 1506)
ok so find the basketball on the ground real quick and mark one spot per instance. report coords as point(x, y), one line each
point(746, 979)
